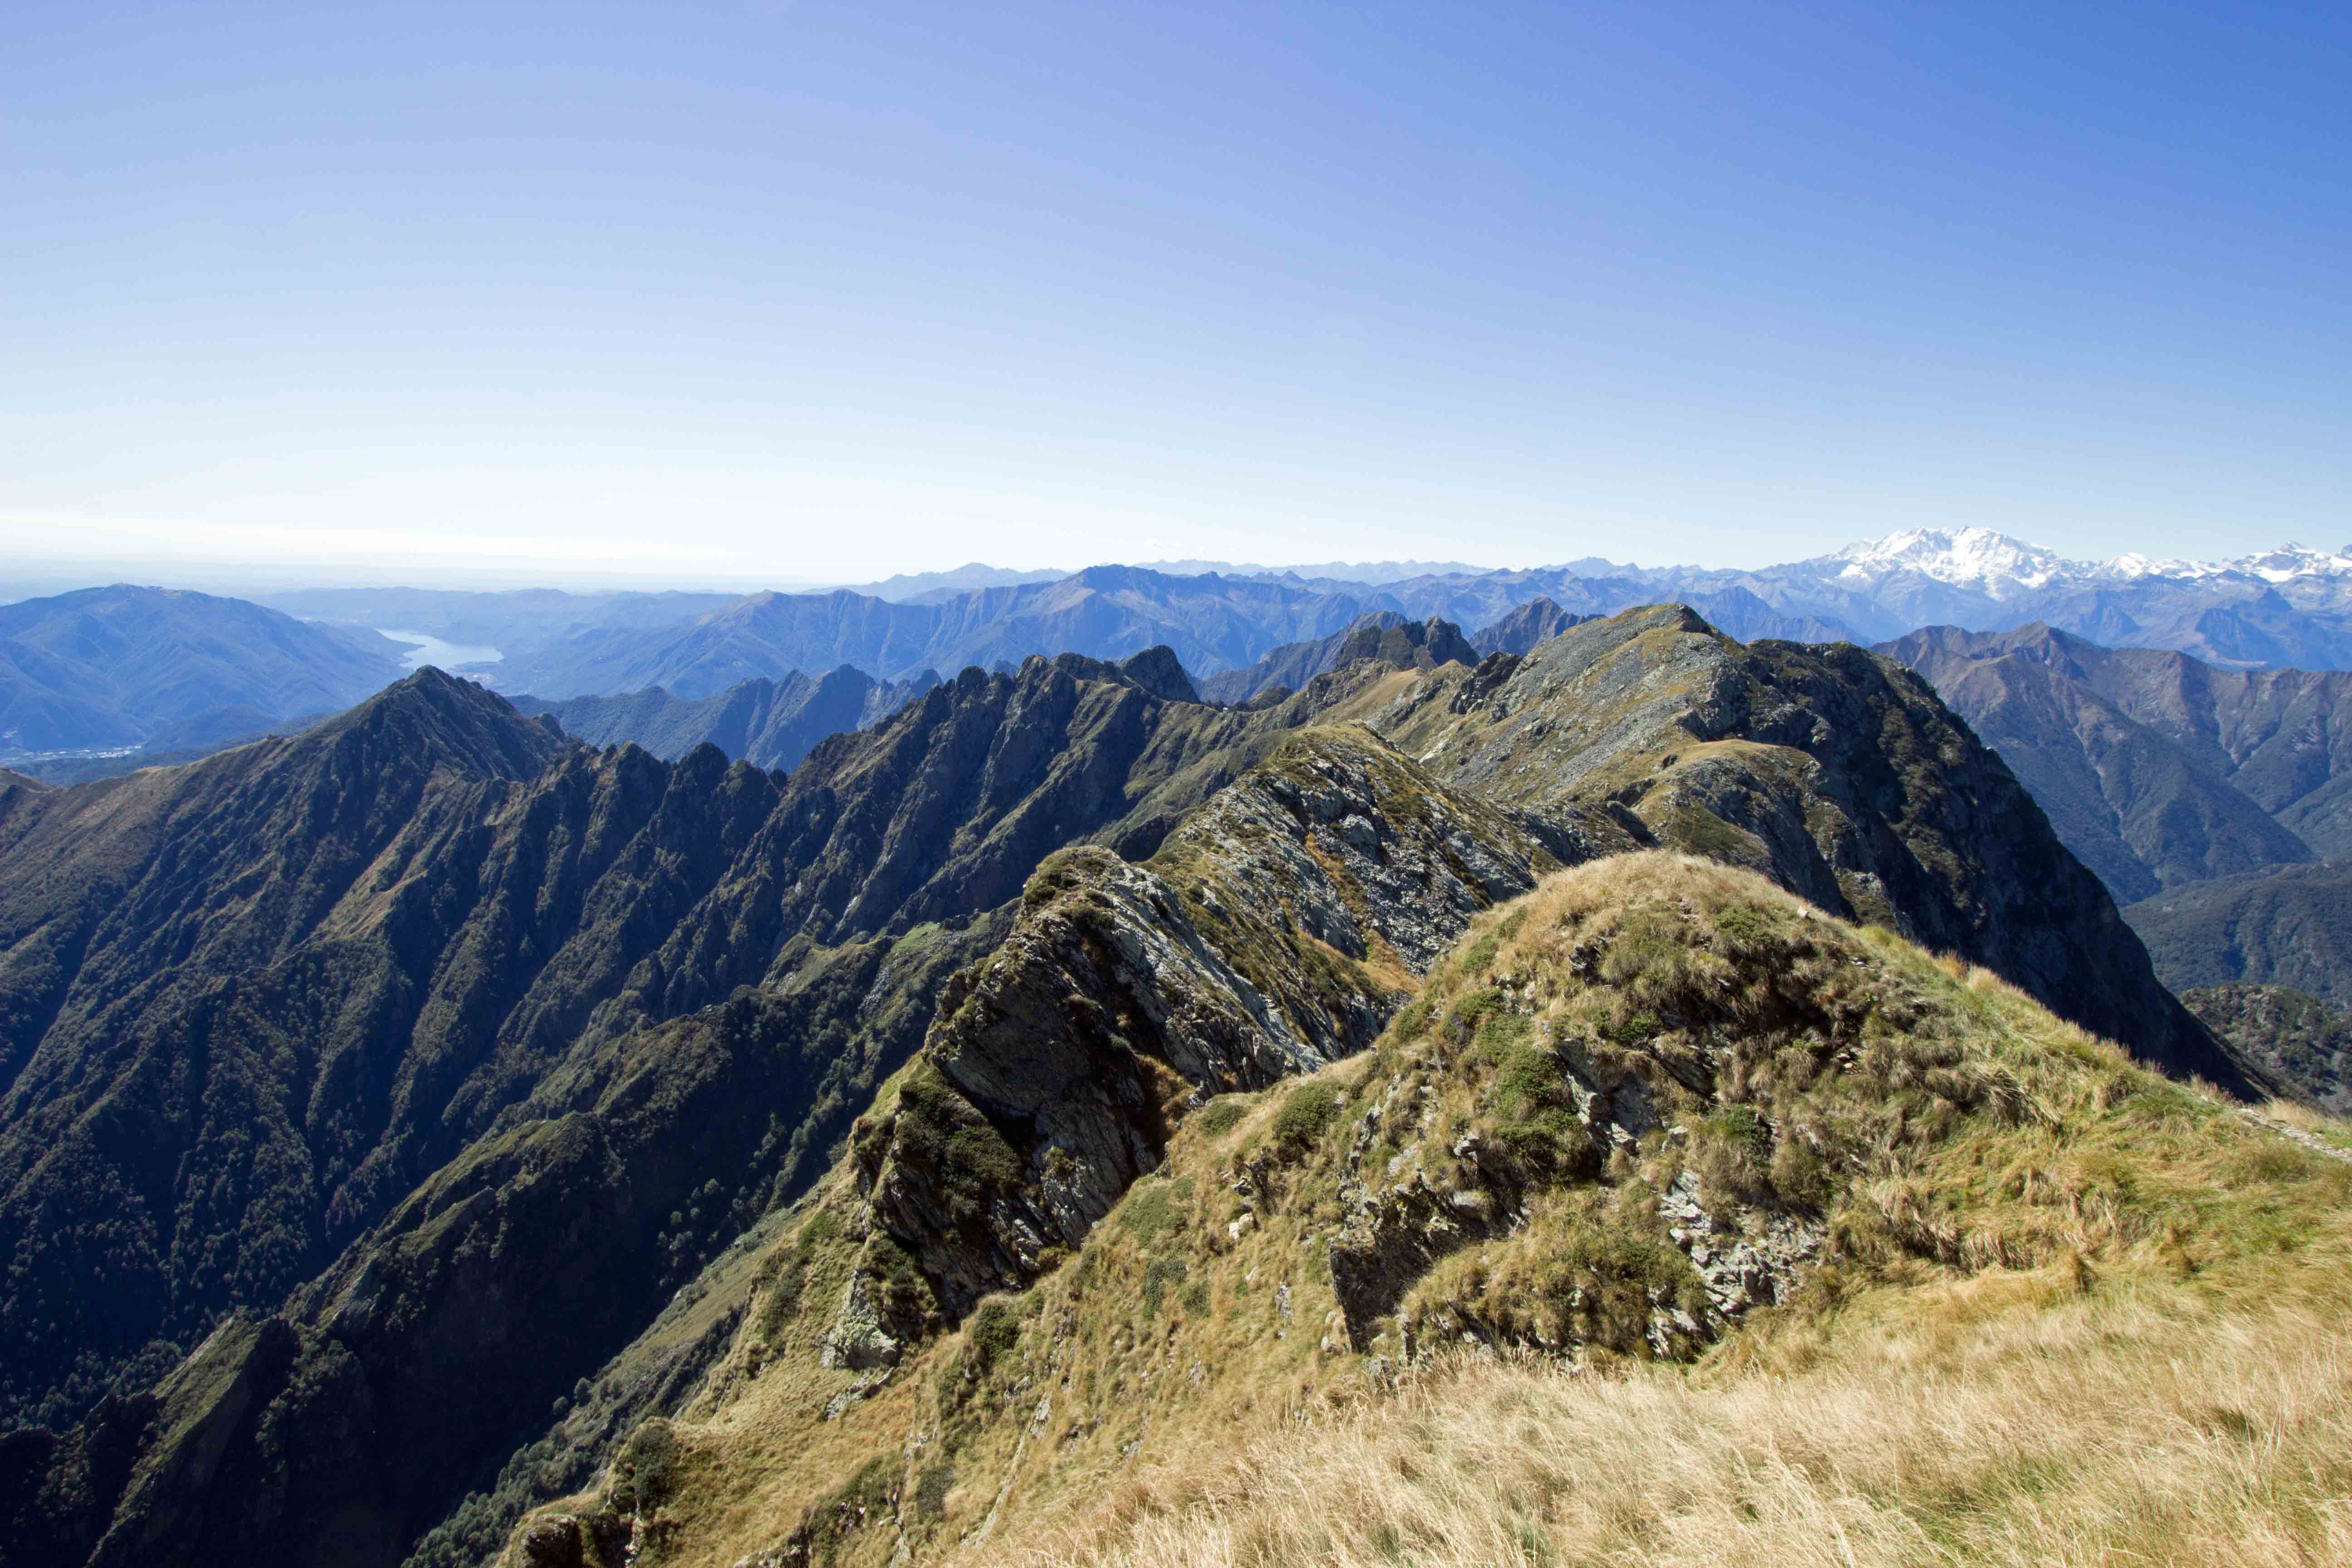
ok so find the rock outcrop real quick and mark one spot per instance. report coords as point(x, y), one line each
point(1273, 933)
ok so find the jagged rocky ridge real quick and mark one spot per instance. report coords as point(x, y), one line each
point(1839, 776)
point(544, 979)
point(732, 1041)
point(1537, 621)
point(1383, 636)
point(768, 724)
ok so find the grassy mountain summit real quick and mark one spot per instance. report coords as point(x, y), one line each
point(1652, 1114)
point(1836, 774)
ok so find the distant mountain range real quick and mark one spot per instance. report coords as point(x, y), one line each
point(2157, 769)
point(2286, 607)
point(2215, 804)
point(768, 724)
point(122, 666)
point(209, 670)
point(1383, 635)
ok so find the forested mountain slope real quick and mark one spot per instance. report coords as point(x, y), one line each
point(2290, 927)
point(2298, 1037)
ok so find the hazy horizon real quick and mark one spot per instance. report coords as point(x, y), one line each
point(22, 578)
point(805, 293)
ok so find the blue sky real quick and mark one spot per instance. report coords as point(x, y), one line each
point(803, 292)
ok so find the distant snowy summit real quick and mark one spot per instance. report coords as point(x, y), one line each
point(2002, 567)
point(1976, 558)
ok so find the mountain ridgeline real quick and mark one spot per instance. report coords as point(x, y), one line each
point(1384, 635)
point(121, 667)
point(768, 724)
point(368, 1093)
point(2288, 607)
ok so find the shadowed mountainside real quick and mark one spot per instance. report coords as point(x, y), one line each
point(2291, 927)
point(2158, 770)
point(1537, 621)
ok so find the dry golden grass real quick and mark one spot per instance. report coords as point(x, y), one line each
point(2127, 1427)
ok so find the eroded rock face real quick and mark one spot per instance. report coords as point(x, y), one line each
point(1274, 933)
point(1742, 1267)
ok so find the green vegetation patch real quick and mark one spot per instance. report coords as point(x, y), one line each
point(1220, 1116)
point(1305, 1111)
point(1156, 1208)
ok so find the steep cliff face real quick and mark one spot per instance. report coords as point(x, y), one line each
point(1837, 774)
point(1273, 933)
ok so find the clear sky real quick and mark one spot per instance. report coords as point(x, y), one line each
point(800, 291)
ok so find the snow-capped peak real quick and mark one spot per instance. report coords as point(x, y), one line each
point(2132, 564)
point(1978, 558)
point(2289, 562)
point(1998, 566)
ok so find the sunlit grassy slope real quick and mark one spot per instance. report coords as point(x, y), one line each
point(2052, 1306)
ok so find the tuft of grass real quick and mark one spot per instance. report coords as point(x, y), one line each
point(1220, 1116)
point(1305, 1111)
